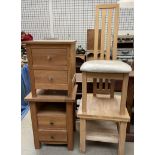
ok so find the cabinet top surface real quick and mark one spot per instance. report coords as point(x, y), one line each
point(43, 97)
point(50, 42)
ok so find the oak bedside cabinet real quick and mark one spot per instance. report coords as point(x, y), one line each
point(53, 117)
point(53, 91)
point(51, 64)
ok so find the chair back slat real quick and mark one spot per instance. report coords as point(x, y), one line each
point(114, 51)
point(103, 34)
point(106, 84)
point(109, 34)
point(96, 34)
point(100, 84)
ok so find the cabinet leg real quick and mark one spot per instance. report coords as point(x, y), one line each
point(37, 145)
point(74, 117)
point(82, 135)
point(122, 136)
point(33, 110)
point(70, 137)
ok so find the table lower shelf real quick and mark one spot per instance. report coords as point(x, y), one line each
point(103, 131)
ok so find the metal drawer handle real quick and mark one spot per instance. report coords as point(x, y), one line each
point(50, 78)
point(52, 137)
point(49, 57)
point(51, 123)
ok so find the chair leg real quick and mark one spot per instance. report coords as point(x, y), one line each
point(84, 92)
point(112, 88)
point(124, 94)
point(82, 135)
point(122, 137)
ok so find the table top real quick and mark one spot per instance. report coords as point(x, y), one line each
point(52, 96)
point(104, 108)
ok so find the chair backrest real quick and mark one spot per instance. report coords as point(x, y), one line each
point(109, 31)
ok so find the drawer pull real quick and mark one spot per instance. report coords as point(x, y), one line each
point(52, 137)
point(49, 58)
point(50, 78)
point(51, 123)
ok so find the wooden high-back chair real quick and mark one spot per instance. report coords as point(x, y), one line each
point(98, 106)
point(107, 47)
point(106, 51)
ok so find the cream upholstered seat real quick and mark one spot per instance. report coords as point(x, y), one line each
point(105, 66)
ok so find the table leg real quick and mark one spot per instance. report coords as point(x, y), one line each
point(130, 98)
point(70, 136)
point(82, 135)
point(122, 135)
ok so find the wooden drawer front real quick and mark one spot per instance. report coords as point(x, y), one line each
point(48, 58)
point(54, 122)
point(50, 79)
point(55, 135)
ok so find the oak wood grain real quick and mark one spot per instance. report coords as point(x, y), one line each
point(103, 107)
point(43, 97)
point(53, 135)
point(33, 110)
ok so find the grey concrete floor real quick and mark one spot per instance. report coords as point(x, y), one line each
point(92, 148)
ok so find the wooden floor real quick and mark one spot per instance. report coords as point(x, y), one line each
point(101, 107)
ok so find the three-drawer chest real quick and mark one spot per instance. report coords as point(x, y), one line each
point(53, 91)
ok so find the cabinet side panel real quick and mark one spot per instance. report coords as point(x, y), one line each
point(71, 69)
point(30, 62)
